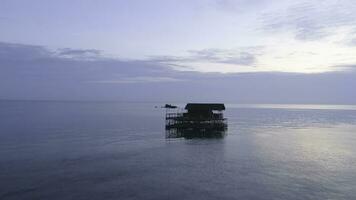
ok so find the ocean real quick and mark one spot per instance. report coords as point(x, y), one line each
point(112, 150)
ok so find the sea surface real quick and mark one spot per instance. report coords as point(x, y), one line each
point(110, 150)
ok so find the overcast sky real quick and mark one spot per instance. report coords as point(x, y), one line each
point(244, 51)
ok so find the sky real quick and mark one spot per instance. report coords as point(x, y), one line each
point(243, 51)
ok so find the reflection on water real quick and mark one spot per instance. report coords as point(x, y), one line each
point(295, 106)
point(191, 134)
point(68, 150)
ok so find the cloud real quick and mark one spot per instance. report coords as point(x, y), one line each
point(37, 62)
point(168, 59)
point(352, 42)
point(351, 39)
point(79, 53)
point(238, 6)
point(34, 72)
point(311, 20)
point(236, 57)
point(347, 68)
point(246, 56)
point(139, 79)
point(10, 51)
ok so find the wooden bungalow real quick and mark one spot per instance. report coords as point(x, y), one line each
point(197, 118)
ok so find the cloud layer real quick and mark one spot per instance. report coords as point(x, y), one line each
point(35, 72)
point(227, 36)
point(311, 20)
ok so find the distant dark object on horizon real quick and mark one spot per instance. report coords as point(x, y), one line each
point(169, 106)
point(200, 120)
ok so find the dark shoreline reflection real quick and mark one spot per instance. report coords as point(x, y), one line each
point(195, 133)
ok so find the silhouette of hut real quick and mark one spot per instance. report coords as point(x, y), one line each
point(198, 118)
point(204, 111)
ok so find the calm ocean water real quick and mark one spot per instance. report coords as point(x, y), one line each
point(103, 150)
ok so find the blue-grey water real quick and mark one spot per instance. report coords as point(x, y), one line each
point(109, 150)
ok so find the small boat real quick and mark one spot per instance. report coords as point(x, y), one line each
point(169, 106)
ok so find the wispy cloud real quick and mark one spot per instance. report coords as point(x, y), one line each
point(239, 57)
point(349, 68)
point(79, 53)
point(11, 51)
point(138, 79)
point(82, 65)
point(311, 20)
point(238, 6)
point(236, 57)
point(352, 42)
point(350, 39)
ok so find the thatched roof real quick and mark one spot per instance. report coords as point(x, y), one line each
point(205, 106)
